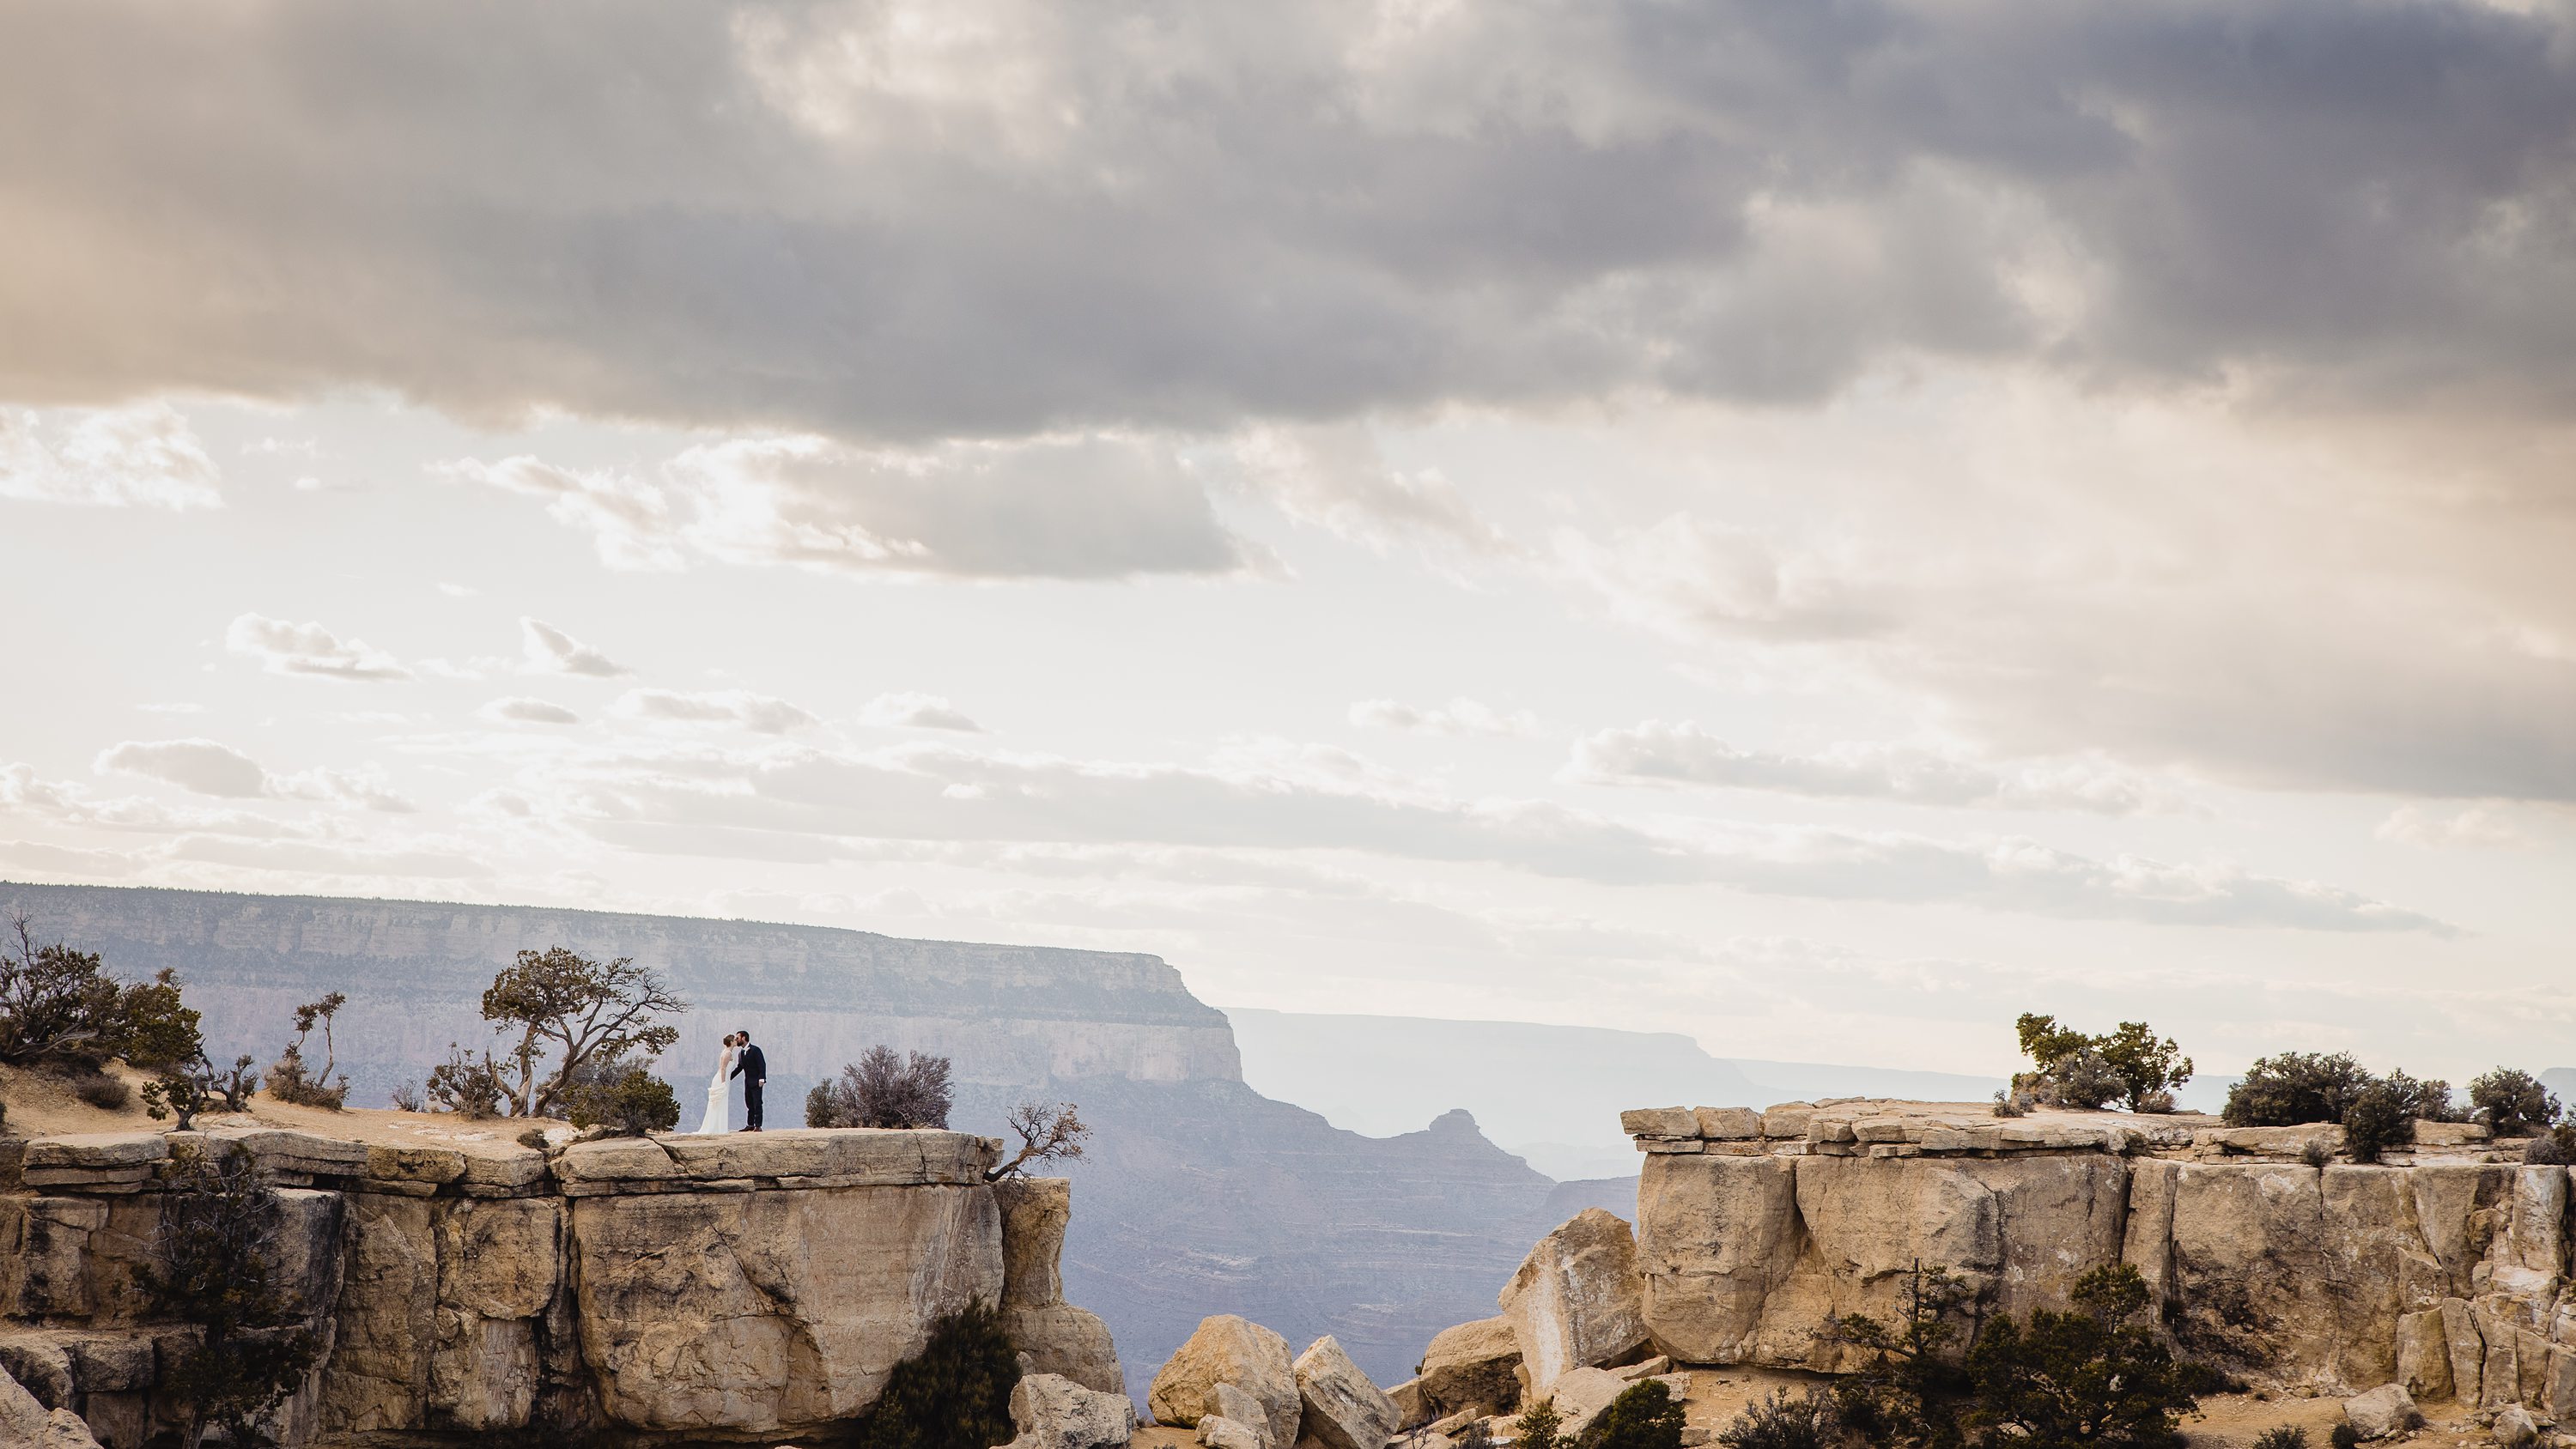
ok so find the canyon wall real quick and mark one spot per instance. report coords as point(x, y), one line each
point(1201, 1195)
point(814, 997)
point(2445, 1268)
point(685, 1289)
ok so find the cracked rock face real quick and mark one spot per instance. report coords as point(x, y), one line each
point(2443, 1277)
point(752, 1288)
point(770, 1311)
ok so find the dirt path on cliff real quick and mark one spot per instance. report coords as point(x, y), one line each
point(44, 1103)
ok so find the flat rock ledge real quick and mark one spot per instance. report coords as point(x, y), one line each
point(1874, 1127)
point(130, 1162)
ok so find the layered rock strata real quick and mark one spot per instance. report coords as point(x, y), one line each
point(2445, 1269)
point(640, 1291)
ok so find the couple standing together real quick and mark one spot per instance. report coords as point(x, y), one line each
point(740, 1059)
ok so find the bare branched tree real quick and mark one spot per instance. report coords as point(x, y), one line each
point(1048, 1132)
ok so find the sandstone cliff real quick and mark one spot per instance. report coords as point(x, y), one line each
point(695, 1289)
point(2446, 1269)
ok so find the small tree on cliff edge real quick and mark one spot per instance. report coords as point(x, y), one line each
point(1047, 1132)
point(569, 1011)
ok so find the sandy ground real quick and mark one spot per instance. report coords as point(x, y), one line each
point(42, 1103)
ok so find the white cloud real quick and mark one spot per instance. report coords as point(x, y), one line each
point(2477, 827)
point(759, 713)
point(550, 650)
point(917, 711)
point(198, 766)
point(367, 787)
point(144, 456)
point(1691, 578)
point(519, 709)
point(1336, 478)
point(1097, 506)
point(308, 648)
point(1655, 753)
point(810, 804)
point(205, 767)
point(1461, 716)
point(458, 591)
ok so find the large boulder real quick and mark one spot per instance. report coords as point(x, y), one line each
point(2383, 1411)
point(1219, 1432)
point(1051, 1411)
point(1342, 1408)
point(1227, 1349)
point(1578, 1299)
point(1470, 1366)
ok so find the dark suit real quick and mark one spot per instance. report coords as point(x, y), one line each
point(753, 1068)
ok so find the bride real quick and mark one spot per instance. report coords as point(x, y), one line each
point(719, 1116)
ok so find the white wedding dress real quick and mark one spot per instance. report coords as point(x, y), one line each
point(719, 1116)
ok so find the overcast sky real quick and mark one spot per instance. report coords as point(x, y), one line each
point(1822, 526)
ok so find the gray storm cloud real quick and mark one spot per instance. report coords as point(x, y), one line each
point(825, 218)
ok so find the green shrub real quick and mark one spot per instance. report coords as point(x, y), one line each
point(881, 1089)
point(1539, 1427)
point(2284, 1436)
point(289, 1080)
point(104, 1092)
point(2093, 1375)
point(469, 1087)
point(58, 1005)
point(954, 1394)
point(2381, 1116)
point(1781, 1420)
point(2294, 1088)
point(1911, 1390)
point(2075, 1069)
point(2317, 1154)
point(631, 1104)
point(1644, 1416)
point(2513, 1102)
point(2345, 1436)
point(2428, 1101)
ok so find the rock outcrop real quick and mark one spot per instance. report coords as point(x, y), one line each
point(1055, 1336)
point(1577, 1300)
point(630, 1290)
point(1235, 1351)
point(2441, 1273)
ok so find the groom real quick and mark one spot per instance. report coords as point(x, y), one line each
point(753, 1068)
